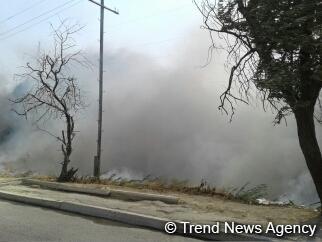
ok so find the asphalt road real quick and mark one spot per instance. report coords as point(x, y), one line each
point(19, 222)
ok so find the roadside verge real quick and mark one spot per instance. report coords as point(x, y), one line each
point(120, 216)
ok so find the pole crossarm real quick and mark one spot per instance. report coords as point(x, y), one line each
point(111, 10)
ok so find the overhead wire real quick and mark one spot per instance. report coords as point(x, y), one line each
point(37, 17)
point(33, 25)
point(135, 20)
point(77, 2)
point(164, 12)
point(22, 11)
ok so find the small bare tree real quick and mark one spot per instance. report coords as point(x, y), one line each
point(55, 93)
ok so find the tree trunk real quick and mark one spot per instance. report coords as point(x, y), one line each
point(65, 174)
point(64, 171)
point(309, 144)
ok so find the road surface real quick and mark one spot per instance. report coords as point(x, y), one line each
point(20, 222)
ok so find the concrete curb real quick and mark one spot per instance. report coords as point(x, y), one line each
point(67, 188)
point(122, 216)
point(113, 193)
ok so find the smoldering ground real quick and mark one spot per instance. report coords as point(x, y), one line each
point(162, 119)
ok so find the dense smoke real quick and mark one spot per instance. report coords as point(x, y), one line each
point(162, 120)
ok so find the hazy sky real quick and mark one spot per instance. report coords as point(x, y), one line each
point(152, 27)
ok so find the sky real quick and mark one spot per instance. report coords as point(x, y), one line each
point(152, 27)
point(160, 103)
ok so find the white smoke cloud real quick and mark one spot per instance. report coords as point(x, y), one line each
point(162, 120)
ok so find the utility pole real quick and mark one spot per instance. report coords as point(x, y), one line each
point(97, 158)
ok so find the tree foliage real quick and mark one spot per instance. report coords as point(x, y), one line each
point(275, 45)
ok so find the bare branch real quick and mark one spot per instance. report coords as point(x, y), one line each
point(55, 92)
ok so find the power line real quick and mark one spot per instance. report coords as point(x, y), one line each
point(156, 42)
point(33, 25)
point(165, 12)
point(34, 18)
point(21, 11)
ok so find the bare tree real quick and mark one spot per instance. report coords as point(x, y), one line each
point(276, 47)
point(55, 93)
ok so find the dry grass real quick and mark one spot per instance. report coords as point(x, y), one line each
point(155, 184)
point(243, 194)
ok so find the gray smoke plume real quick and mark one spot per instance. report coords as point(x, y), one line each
point(161, 119)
